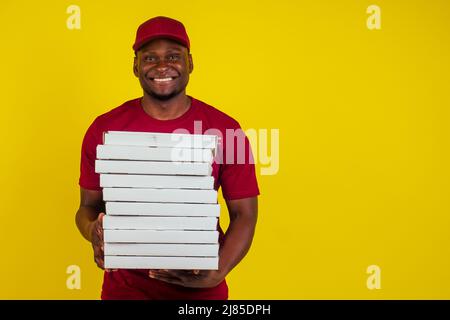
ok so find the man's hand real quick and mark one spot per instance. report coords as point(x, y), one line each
point(89, 220)
point(188, 278)
point(96, 232)
point(98, 243)
point(238, 238)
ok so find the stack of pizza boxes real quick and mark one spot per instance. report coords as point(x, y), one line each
point(161, 205)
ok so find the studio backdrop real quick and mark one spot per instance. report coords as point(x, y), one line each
point(346, 104)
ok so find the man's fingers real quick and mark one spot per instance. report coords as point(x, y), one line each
point(100, 218)
point(164, 274)
point(187, 273)
point(99, 261)
point(99, 253)
point(99, 225)
point(180, 274)
point(99, 222)
point(166, 278)
point(181, 277)
point(97, 241)
point(99, 256)
point(177, 272)
point(98, 248)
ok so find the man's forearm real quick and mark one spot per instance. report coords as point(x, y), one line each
point(85, 219)
point(238, 240)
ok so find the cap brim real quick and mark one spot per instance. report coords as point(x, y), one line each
point(141, 43)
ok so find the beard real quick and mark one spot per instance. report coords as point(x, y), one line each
point(163, 97)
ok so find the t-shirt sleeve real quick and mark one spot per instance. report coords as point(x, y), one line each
point(237, 173)
point(88, 178)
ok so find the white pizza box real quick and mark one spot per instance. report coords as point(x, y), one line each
point(156, 181)
point(161, 249)
point(120, 152)
point(153, 167)
point(156, 139)
point(163, 209)
point(186, 263)
point(159, 223)
point(160, 195)
point(160, 236)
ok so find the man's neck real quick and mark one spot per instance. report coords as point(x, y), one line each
point(166, 110)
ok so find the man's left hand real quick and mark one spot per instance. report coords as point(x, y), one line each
point(188, 278)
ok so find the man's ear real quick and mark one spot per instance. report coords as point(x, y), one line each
point(135, 66)
point(191, 63)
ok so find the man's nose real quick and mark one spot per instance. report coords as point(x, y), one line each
point(162, 65)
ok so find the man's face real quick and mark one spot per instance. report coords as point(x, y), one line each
point(163, 67)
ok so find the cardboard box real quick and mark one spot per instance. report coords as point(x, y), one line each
point(156, 181)
point(160, 236)
point(159, 223)
point(153, 139)
point(160, 200)
point(187, 263)
point(160, 195)
point(162, 209)
point(161, 249)
point(153, 167)
point(119, 152)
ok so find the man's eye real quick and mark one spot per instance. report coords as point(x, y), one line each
point(150, 59)
point(174, 57)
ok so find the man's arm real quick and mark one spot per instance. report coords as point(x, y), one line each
point(239, 235)
point(89, 219)
point(238, 239)
point(91, 204)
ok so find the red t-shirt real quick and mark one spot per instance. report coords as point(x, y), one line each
point(236, 179)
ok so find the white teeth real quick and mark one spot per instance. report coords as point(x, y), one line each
point(162, 79)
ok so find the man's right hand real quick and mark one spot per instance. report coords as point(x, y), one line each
point(89, 220)
point(96, 232)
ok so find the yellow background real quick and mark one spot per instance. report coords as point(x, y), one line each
point(364, 126)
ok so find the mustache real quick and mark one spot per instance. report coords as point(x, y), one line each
point(168, 74)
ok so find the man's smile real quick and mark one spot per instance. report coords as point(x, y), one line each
point(165, 79)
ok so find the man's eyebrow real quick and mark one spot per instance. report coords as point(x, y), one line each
point(169, 50)
point(174, 49)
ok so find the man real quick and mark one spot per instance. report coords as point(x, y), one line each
point(163, 63)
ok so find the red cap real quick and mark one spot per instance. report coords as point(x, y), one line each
point(161, 27)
